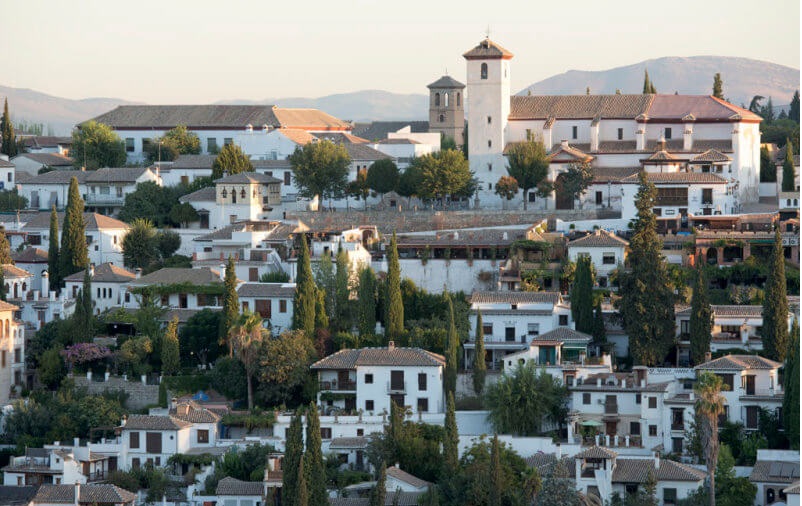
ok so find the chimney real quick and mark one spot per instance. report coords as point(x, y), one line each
point(564, 143)
point(76, 442)
point(222, 272)
point(45, 283)
point(640, 139)
point(456, 236)
point(391, 345)
point(656, 456)
point(265, 129)
point(138, 272)
point(598, 382)
point(249, 128)
point(504, 236)
point(77, 493)
point(173, 403)
point(91, 270)
point(122, 422)
point(687, 137)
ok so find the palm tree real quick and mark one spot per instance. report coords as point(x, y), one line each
point(709, 405)
point(247, 338)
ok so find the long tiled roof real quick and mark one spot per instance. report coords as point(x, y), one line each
point(487, 49)
point(298, 136)
point(58, 177)
point(310, 119)
point(12, 271)
point(564, 334)
point(207, 194)
point(193, 162)
point(571, 151)
point(497, 237)
point(662, 156)
point(728, 310)
point(678, 177)
point(391, 498)
point(45, 141)
point(115, 175)
point(446, 82)
point(30, 255)
point(613, 174)
point(637, 471)
point(247, 178)
point(739, 363)
point(596, 452)
point(599, 238)
point(362, 152)
point(350, 359)
point(93, 222)
point(285, 290)
point(514, 297)
point(49, 159)
point(90, 493)
point(16, 495)
point(702, 107)
point(153, 422)
point(240, 226)
point(8, 165)
point(340, 138)
point(192, 412)
point(105, 273)
point(233, 486)
point(578, 106)
point(193, 116)
point(401, 475)
point(777, 472)
point(378, 130)
point(174, 275)
point(711, 155)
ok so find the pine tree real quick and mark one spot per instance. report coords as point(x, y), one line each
point(367, 302)
point(230, 312)
point(170, 349)
point(293, 457)
point(790, 410)
point(793, 112)
point(582, 296)
point(8, 138)
point(451, 438)
point(5, 250)
point(452, 345)
point(302, 496)
point(395, 303)
point(479, 364)
point(718, 85)
point(775, 305)
point(497, 491)
point(73, 255)
point(379, 493)
point(52, 250)
point(313, 459)
point(599, 332)
point(342, 293)
point(701, 324)
point(646, 306)
point(303, 317)
point(788, 183)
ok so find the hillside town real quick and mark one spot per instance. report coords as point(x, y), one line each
point(525, 300)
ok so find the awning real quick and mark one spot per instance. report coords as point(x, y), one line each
point(591, 423)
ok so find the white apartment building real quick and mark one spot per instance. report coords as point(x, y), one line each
point(109, 284)
point(243, 241)
point(107, 188)
point(32, 163)
point(7, 174)
point(44, 191)
point(56, 464)
point(34, 261)
point(175, 288)
point(607, 252)
point(272, 301)
point(12, 351)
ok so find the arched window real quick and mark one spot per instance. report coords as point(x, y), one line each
point(436, 99)
point(242, 193)
point(442, 118)
point(446, 100)
point(458, 100)
point(484, 71)
point(224, 194)
point(769, 496)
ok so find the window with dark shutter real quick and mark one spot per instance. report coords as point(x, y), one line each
point(133, 440)
point(153, 442)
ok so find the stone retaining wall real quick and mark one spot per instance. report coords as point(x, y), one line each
point(139, 396)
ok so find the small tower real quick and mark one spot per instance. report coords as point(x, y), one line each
point(447, 108)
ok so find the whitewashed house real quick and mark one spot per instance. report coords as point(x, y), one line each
point(46, 144)
point(107, 188)
point(368, 379)
point(34, 261)
point(109, 284)
point(272, 301)
point(32, 163)
point(607, 252)
point(7, 173)
point(12, 351)
point(50, 189)
point(95, 494)
point(243, 241)
point(185, 169)
point(774, 473)
point(177, 288)
point(56, 464)
point(233, 492)
point(398, 479)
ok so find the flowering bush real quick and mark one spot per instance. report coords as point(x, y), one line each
point(82, 353)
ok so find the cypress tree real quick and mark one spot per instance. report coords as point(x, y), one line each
point(791, 392)
point(599, 332)
point(302, 495)
point(451, 439)
point(230, 312)
point(52, 250)
point(342, 293)
point(793, 112)
point(452, 344)
point(303, 317)
point(718, 91)
point(788, 183)
point(379, 492)
point(8, 138)
point(170, 349)
point(775, 305)
point(479, 364)
point(395, 303)
point(701, 324)
point(321, 317)
point(3, 291)
point(83, 317)
point(367, 302)
point(582, 296)
point(313, 459)
point(325, 279)
point(647, 84)
point(293, 457)
point(646, 306)
point(496, 473)
point(5, 250)
point(73, 255)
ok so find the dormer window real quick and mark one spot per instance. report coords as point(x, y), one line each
point(484, 71)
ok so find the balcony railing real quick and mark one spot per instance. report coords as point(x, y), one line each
point(763, 392)
point(396, 387)
point(610, 408)
point(96, 476)
point(677, 426)
point(107, 200)
point(338, 385)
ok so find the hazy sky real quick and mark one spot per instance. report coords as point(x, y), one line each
point(197, 51)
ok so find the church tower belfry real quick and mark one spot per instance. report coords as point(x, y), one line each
point(447, 108)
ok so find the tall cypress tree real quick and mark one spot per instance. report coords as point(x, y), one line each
point(3, 291)
point(395, 303)
point(342, 293)
point(379, 492)
point(52, 250)
point(496, 473)
point(83, 317)
point(230, 303)
point(451, 439)
point(718, 85)
point(171, 361)
point(775, 305)
point(701, 324)
point(366, 318)
point(599, 332)
point(479, 364)
point(321, 317)
point(793, 112)
point(646, 306)
point(791, 388)
point(8, 138)
point(788, 182)
point(452, 345)
point(302, 495)
point(293, 457)
point(303, 317)
point(74, 255)
point(582, 296)
point(313, 459)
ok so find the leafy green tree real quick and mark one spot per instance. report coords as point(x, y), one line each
point(479, 364)
point(177, 141)
point(73, 256)
point(171, 361)
point(51, 368)
point(793, 113)
point(5, 250)
point(153, 202)
point(395, 303)
point(709, 405)
point(701, 324)
point(383, 176)
point(582, 295)
point(444, 173)
point(718, 86)
point(558, 488)
point(303, 317)
point(95, 145)
point(379, 493)
point(775, 305)
point(768, 170)
point(451, 439)
point(320, 169)
point(409, 183)
point(199, 343)
point(293, 458)
point(52, 250)
point(8, 136)
point(229, 377)
point(358, 188)
point(526, 401)
point(646, 306)
point(284, 369)
point(506, 187)
point(528, 163)
point(183, 214)
point(790, 410)
point(342, 293)
point(139, 245)
point(313, 459)
point(230, 304)
point(366, 308)
point(447, 142)
point(452, 348)
point(12, 201)
point(788, 183)
point(167, 242)
point(576, 179)
point(231, 160)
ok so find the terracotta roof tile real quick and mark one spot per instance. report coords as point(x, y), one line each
point(562, 334)
point(298, 136)
point(599, 238)
point(193, 116)
point(208, 194)
point(116, 175)
point(93, 221)
point(613, 174)
point(340, 137)
point(58, 177)
point(350, 359)
point(152, 422)
point(596, 452)
point(49, 159)
point(508, 297)
point(776, 472)
point(192, 412)
point(105, 273)
point(12, 271)
point(193, 162)
point(578, 106)
point(30, 255)
point(637, 471)
point(175, 275)
point(378, 130)
point(401, 475)
point(310, 119)
point(678, 177)
point(703, 107)
point(233, 486)
point(248, 178)
point(711, 155)
point(739, 363)
point(487, 49)
point(285, 290)
point(90, 494)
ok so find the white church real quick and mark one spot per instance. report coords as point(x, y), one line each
point(702, 153)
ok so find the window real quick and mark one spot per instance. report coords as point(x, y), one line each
point(684, 327)
point(728, 380)
point(490, 167)
point(203, 436)
point(707, 196)
point(620, 134)
point(145, 144)
point(484, 71)
point(751, 417)
point(17, 355)
point(360, 432)
point(133, 440)
point(487, 329)
point(652, 402)
point(368, 379)
point(489, 143)
point(437, 99)
point(489, 120)
point(442, 118)
point(533, 329)
point(667, 133)
point(652, 430)
point(422, 381)
point(676, 445)
point(445, 99)
point(287, 178)
point(574, 132)
point(227, 141)
point(599, 198)
point(282, 306)
point(532, 196)
point(586, 398)
point(634, 428)
point(135, 463)
point(423, 405)
point(509, 334)
point(153, 442)
point(458, 99)
point(211, 145)
point(563, 319)
point(129, 144)
point(489, 186)
point(608, 258)
point(325, 433)
point(669, 495)
point(368, 405)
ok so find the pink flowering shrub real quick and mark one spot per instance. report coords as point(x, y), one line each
point(82, 353)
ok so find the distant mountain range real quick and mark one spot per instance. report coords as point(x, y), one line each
point(743, 78)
